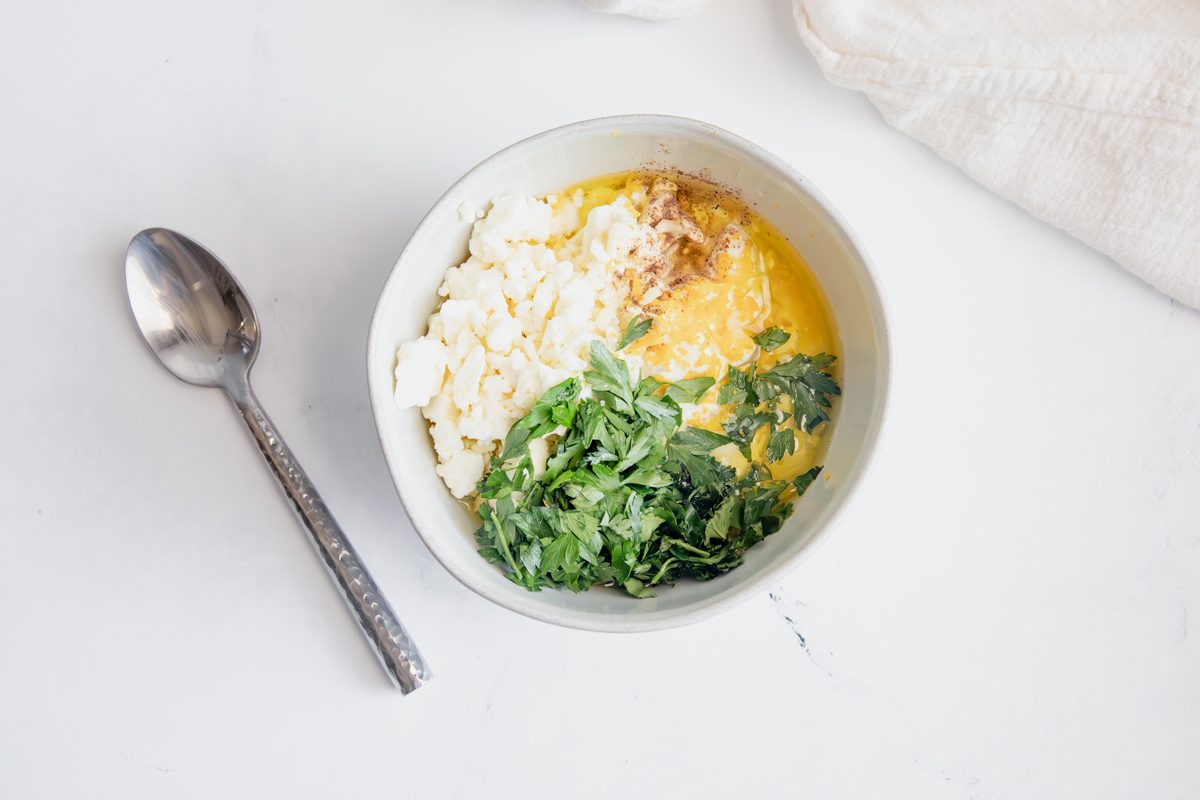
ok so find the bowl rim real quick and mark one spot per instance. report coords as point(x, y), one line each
point(656, 620)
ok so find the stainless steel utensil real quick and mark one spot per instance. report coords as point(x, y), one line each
point(199, 322)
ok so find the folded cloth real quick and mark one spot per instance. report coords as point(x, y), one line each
point(1087, 115)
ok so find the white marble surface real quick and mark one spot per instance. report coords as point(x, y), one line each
point(1006, 611)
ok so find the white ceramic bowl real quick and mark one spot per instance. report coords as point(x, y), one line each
point(548, 162)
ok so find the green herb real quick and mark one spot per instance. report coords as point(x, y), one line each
point(609, 379)
point(628, 497)
point(636, 329)
point(804, 380)
point(807, 381)
point(802, 482)
point(772, 338)
point(744, 425)
point(782, 443)
point(557, 407)
point(691, 390)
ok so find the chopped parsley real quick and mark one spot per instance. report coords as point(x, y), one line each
point(636, 329)
point(772, 338)
point(629, 497)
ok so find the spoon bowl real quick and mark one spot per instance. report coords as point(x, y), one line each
point(191, 310)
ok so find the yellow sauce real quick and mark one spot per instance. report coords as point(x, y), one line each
point(705, 324)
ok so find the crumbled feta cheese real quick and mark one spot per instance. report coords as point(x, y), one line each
point(467, 212)
point(539, 454)
point(502, 330)
point(461, 472)
point(513, 218)
point(466, 380)
point(518, 317)
point(420, 368)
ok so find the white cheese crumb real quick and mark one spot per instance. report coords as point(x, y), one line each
point(539, 454)
point(420, 368)
point(461, 472)
point(468, 212)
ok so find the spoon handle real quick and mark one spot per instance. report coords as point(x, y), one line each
point(375, 616)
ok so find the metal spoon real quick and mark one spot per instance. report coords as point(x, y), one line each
point(198, 321)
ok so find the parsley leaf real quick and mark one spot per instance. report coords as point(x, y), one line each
point(702, 469)
point(807, 381)
point(691, 390)
point(700, 439)
point(782, 443)
point(658, 407)
point(802, 482)
point(738, 387)
point(743, 427)
point(556, 407)
point(560, 553)
point(636, 329)
point(609, 379)
point(718, 526)
point(772, 338)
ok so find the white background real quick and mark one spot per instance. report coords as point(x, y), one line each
point(1006, 611)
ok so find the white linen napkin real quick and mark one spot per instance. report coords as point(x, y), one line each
point(1086, 114)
